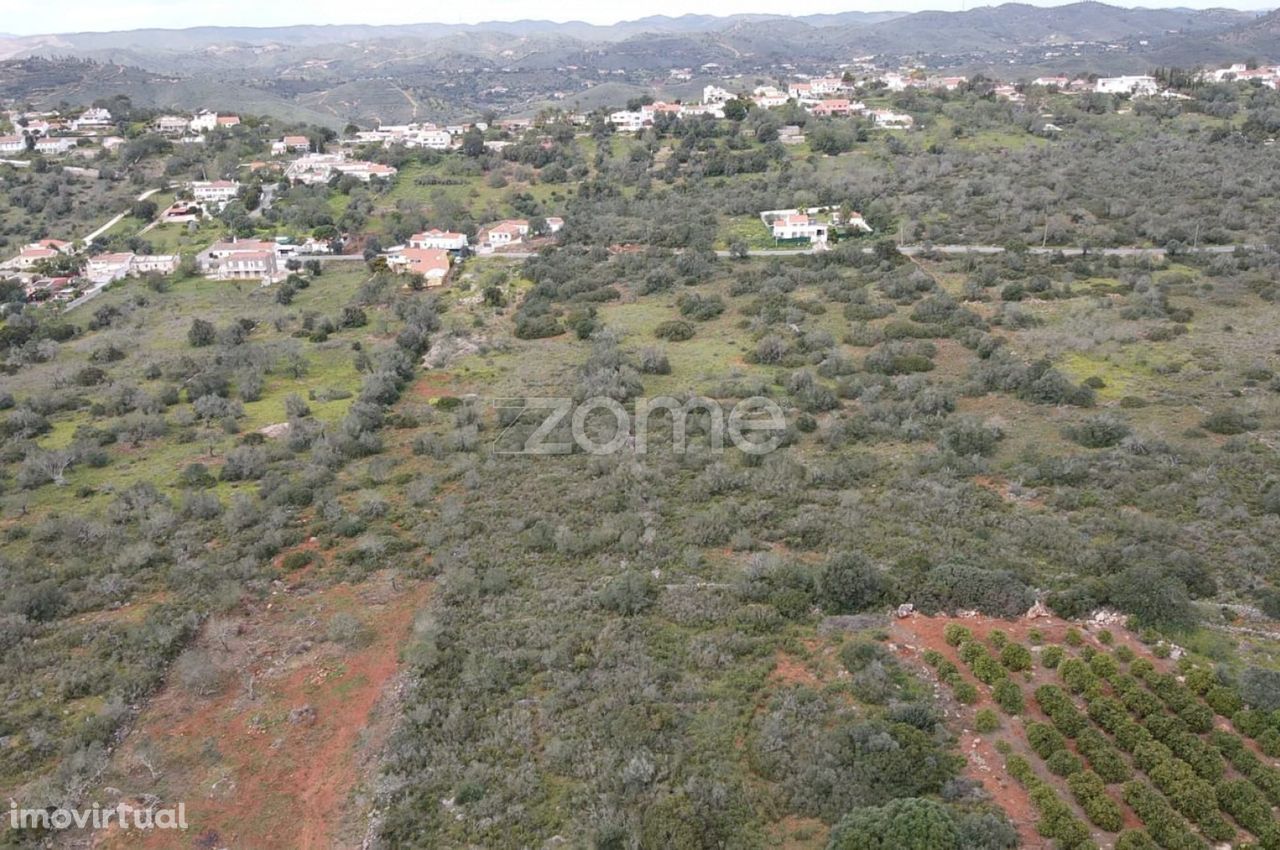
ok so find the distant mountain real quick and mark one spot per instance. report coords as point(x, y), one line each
point(336, 74)
point(675, 41)
point(1012, 25)
point(1258, 38)
point(195, 38)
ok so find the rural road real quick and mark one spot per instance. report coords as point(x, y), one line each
point(93, 291)
point(113, 222)
point(915, 250)
point(908, 250)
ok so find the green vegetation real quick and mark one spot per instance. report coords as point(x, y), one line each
point(687, 648)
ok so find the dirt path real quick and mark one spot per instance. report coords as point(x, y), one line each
point(281, 756)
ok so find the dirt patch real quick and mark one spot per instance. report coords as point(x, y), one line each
point(1002, 488)
point(790, 670)
point(280, 756)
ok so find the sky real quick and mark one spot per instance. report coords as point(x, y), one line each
point(27, 17)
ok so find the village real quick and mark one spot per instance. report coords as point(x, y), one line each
point(61, 269)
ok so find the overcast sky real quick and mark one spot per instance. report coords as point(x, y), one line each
point(25, 17)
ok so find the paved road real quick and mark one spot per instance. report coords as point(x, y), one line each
point(915, 250)
point(909, 250)
point(113, 222)
point(93, 291)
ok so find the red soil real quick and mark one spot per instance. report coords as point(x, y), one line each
point(249, 776)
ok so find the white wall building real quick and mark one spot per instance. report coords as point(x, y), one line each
point(1136, 85)
point(218, 192)
point(439, 239)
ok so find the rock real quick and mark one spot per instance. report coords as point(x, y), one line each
point(905, 610)
point(1037, 611)
point(302, 714)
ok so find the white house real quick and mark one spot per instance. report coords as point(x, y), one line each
point(104, 268)
point(887, 119)
point(894, 81)
point(798, 225)
point(55, 145)
point(172, 125)
point(314, 168)
point(629, 121)
point(767, 97)
point(13, 144)
point(1140, 85)
point(509, 232)
point(434, 139)
point(158, 263)
point(92, 119)
point(442, 240)
point(206, 120)
point(715, 94)
point(825, 85)
point(291, 144)
point(243, 259)
point(218, 192)
point(801, 91)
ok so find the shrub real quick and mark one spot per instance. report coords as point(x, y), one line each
point(630, 593)
point(986, 720)
point(1103, 758)
point(1090, 791)
point(348, 630)
point(955, 634)
point(1229, 422)
point(955, 587)
point(1260, 688)
point(1077, 675)
point(1135, 839)
point(1103, 666)
point(966, 693)
point(1064, 763)
point(1051, 657)
point(1098, 432)
point(1044, 739)
point(674, 330)
point(1169, 829)
point(849, 583)
point(968, 438)
point(909, 824)
point(1016, 657)
point(1009, 696)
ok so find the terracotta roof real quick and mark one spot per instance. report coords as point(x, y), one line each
point(424, 260)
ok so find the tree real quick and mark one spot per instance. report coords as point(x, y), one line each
point(735, 109)
point(41, 467)
point(849, 583)
point(143, 210)
point(473, 143)
point(201, 333)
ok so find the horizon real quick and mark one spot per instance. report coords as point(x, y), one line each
point(155, 15)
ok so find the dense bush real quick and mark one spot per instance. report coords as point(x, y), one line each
point(958, 587)
point(848, 583)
